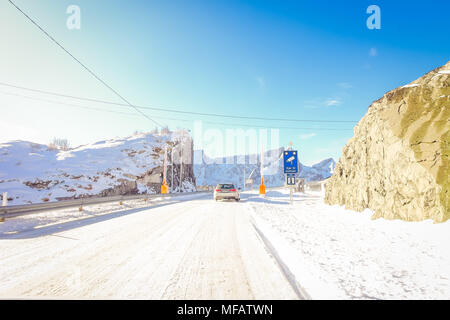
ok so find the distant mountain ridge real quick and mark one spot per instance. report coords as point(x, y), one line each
point(211, 171)
point(34, 173)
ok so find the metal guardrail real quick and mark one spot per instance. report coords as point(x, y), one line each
point(16, 210)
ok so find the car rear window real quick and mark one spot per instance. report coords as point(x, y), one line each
point(225, 186)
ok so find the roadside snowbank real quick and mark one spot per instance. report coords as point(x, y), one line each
point(341, 254)
point(41, 219)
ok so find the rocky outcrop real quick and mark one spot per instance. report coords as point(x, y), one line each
point(124, 187)
point(32, 173)
point(397, 162)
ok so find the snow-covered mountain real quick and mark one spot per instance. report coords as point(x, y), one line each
point(33, 173)
point(319, 171)
point(211, 171)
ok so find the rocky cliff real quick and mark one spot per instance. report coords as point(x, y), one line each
point(397, 162)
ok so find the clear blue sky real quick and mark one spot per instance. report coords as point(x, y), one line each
point(290, 59)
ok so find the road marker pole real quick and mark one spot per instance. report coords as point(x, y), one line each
point(4, 204)
point(5, 199)
point(262, 187)
point(164, 187)
point(171, 176)
point(80, 208)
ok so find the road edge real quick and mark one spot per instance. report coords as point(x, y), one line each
point(290, 277)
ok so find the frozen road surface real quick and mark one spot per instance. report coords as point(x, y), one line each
point(193, 249)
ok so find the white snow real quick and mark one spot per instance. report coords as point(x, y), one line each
point(342, 254)
point(441, 72)
point(42, 219)
point(198, 249)
point(411, 85)
point(193, 247)
point(85, 170)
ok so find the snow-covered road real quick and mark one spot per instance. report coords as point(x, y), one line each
point(196, 249)
point(192, 247)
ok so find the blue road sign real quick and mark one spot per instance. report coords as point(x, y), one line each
point(290, 179)
point(290, 161)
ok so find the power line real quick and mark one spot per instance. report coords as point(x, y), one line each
point(67, 104)
point(135, 107)
point(166, 118)
point(83, 65)
point(173, 110)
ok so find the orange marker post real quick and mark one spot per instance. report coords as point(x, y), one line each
point(262, 187)
point(164, 187)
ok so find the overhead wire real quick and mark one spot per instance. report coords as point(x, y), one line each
point(83, 65)
point(167, 118)
point(138, 108)
point(173, 110)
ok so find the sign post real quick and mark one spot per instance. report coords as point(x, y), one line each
point(290, 160)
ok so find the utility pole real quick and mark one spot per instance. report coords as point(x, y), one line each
point(262, 187)
point(181, 165)
point(171, 160)
point(244, 179)
point(164, 188)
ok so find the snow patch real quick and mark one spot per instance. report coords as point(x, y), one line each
point(411, 85)
point(337, 253)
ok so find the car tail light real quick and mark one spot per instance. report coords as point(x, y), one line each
point(233, 190)
point(218, 190)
